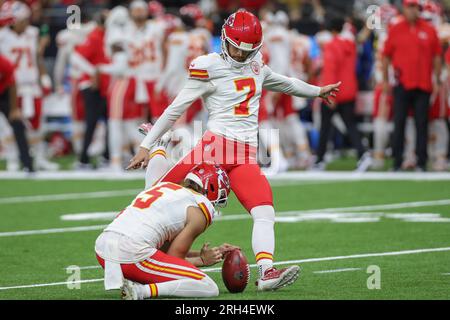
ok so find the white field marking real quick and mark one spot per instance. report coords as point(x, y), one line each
point(113, 193)
point(400, 205)
point(354, 256)
point(51, 284)
point(294, 216)
point(446, 274)
point(327, 212)
point(333, 217)
point(337, 270)
point(108, 215)
point(82, 268)
point(291, 175)
point(49, 231)
point(70, 196)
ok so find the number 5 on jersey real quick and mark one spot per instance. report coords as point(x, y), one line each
point(242, 109)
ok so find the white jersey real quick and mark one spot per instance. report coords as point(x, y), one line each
point(301, 46)
point(277, 39)
point(144, 49)
point(231, 96)
point(22, 50)
point(155, 216)
point(67, 40)
point(182, 48)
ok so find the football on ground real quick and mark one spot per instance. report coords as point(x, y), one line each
point(235, 271)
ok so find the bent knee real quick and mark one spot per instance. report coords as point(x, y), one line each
point(213, 289)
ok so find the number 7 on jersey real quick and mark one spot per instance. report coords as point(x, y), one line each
point(242, 108)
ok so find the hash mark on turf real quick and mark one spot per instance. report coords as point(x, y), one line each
point(337, 270)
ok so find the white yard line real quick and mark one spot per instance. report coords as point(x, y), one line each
point(117, 193)
point(51, 284)
point(291, 175)
point(400, 205)
point(70, 196)
point(326, 213)
point(49, 231)
point(354, 256)
point(337, 270)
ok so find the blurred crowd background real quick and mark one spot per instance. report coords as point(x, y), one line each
point(90, 102)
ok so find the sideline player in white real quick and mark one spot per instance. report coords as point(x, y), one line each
point(279, 41)
point(145, 251)
point(19, 43)
point(230, 85)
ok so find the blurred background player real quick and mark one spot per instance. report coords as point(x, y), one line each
point(66, 77)
point(158, 229)
point(132, 94)
point(187, 41)
point(279, 43)
point(339, 57)
point(20, 44)
point(414, 66)
point(94, 85)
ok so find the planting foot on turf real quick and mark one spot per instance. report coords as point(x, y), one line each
point(129, 291)
point(274, 279)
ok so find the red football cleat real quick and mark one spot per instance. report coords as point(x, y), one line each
point(274, 279)
point(145, 128)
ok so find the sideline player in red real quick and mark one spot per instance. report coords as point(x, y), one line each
point(230, 84)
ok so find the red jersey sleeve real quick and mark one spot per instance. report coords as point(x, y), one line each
point(88, 48)
point(330, 65)
point(437, 48)
point(388, 49)
point(447, 57)
point(6, 73)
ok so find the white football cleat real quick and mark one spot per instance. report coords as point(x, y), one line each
point(364, 163)
point(145, 128)
point(274, 279)
point(44, 164)
point(163, 141)
point(129, 291)
point(12, 166)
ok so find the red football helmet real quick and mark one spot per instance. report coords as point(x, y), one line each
point(242, 30)
point(155, 9)
point(6, 14)
point(213, 180)
point(192, 10)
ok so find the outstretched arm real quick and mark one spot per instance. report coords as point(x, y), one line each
point(192, 90)
point(295, 87)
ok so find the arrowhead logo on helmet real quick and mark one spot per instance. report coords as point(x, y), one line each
point(213, 181)
point(243, 31)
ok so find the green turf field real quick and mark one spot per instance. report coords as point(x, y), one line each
point(331, 236)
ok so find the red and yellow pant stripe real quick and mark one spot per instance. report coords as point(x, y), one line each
point(263, 255)
point(160, 152)
point(153, 290)
point(172, 271)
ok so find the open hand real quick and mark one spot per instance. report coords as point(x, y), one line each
point(140, 160)
point(226, 247)
point(328, 92)
point(209, 255)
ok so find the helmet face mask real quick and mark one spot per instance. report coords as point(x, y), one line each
point(213, 182)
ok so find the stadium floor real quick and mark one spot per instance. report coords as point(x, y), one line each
point(337, 230)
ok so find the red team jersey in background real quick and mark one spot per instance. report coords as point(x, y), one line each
point(339, 64)
point(411, 49)
point(93, 51)
point(6, 74)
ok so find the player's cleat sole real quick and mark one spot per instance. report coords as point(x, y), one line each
point(286, 278)
point(129, 291)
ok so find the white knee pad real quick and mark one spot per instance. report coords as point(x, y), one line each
point(263, 214)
